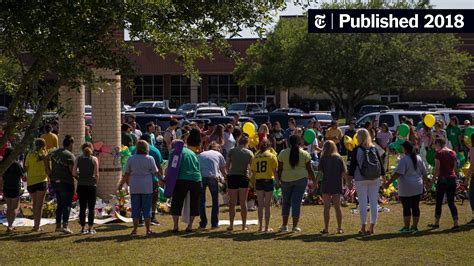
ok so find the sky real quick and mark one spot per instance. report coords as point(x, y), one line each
point(293, 9)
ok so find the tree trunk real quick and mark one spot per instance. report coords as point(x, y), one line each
point(31, 129)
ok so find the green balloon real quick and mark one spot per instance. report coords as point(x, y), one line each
point(309, 136)
point(469, 131)
point(403, 130)
point(461, 159)
point(162, 194)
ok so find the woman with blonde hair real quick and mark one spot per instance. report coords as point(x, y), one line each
point(217, 135)
point(366, 170)
point(86, 170)
point(263, 133)
point(36, 165)
point(332, 168)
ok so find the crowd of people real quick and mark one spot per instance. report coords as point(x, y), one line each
point(217, 156)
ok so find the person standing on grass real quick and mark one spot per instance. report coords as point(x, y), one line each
point(333, 169)
point(366, 168)
point(264, 169)
point(139, 172)
point(212, 164)
point(278, 137)
point(36, 164)
point(445, 174)
point(294, 169)
point(334, 133)
point(169, 136)
point(453, 131)
point(237, 167)
point(470, 176)
point(62, 163)
point(11, 188)
point(189, 180)
point(86, 169)
point(410, 172)
point(229, 141)
point(50, 138)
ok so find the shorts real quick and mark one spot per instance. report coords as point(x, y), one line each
point(37, 187)
point(11, 193)
point(264, 184)
point(237, 181)
point(141, 205)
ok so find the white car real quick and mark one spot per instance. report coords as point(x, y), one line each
point(391, 117)
point(462, 115)
point(210, 111)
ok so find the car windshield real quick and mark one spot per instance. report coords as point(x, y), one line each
point(303, 121)
point(323, 117)
point(416, 118)
point(187, 107)
point(149, 104)
point(237, 107)
point(461, 117)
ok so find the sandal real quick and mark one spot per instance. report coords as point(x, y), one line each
point(133, 233)
point(455, 228)
point(324, 232)
point(188, 230)
point(149, 233)
point(269, 230)
point(362, 233)
point(175, 231)
point(230, 229)
point(433, 226)
point(340, 231)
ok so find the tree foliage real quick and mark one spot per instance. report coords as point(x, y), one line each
point(351, 67)
point(66, 40)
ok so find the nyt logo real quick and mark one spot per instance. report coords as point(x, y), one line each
point(320, 21)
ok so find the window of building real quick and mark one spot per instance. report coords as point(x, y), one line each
point(258, 93)
point(148, 88)
point(180, 90)
point(223, 89)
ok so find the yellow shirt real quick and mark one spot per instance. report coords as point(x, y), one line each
point(299, 171)
point(334, 135)
point(51, 140)
point(263, 165)
point(36, 172)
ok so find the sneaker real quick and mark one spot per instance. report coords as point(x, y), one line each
point(92, 231)
point(471, 222)
point(84, 231)
point(283, 228)
point(155, 222)
point(58, 230)
point(405, 230)
point(414, 229)
point(67, 231)
point(296, 229)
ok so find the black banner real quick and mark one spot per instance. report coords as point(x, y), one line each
point(390, 20)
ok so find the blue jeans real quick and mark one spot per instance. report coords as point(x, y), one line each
point(293, 193)
point(471, 193)
point(141, 205)
point(64, 193)
point(213, 185)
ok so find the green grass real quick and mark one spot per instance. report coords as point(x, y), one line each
point(113, 245)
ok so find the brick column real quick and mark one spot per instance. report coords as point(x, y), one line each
point(284, 98)
point(72, 122)
point(106, 128)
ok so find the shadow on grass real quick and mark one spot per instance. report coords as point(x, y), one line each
point(111, 227)
point(33, 237)
point(429, 232)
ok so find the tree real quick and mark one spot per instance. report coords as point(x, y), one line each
point(351, 67)
point(67, 39)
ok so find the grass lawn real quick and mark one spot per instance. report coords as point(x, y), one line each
point(113, 245)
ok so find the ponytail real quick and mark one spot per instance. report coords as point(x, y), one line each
point(294, 150)
point(87, 149)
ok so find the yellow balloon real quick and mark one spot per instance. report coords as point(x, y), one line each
point(348, 143)
point(467, 140)
point(429, 120)
point(249, 129)
point(355, 141)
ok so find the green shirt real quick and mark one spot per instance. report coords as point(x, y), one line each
point(299, 171)
point(189, 168)
point(240, 159)
point(62, 161)
point(453, 133)
point(127, 139)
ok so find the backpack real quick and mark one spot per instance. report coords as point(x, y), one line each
point(370, 168)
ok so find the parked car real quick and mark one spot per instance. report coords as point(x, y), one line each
point(3, 114)
point(462, 115)
point(163, 120)
point(245, 108)
point(366, 109)
point(465, 106)
point(302, 120)
point(287, 110)
point(392, 118)
point(188, 109)
point(403, 105)
point(153, 107)
point(210, 111)
point(425, 107)
point(324, 119)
